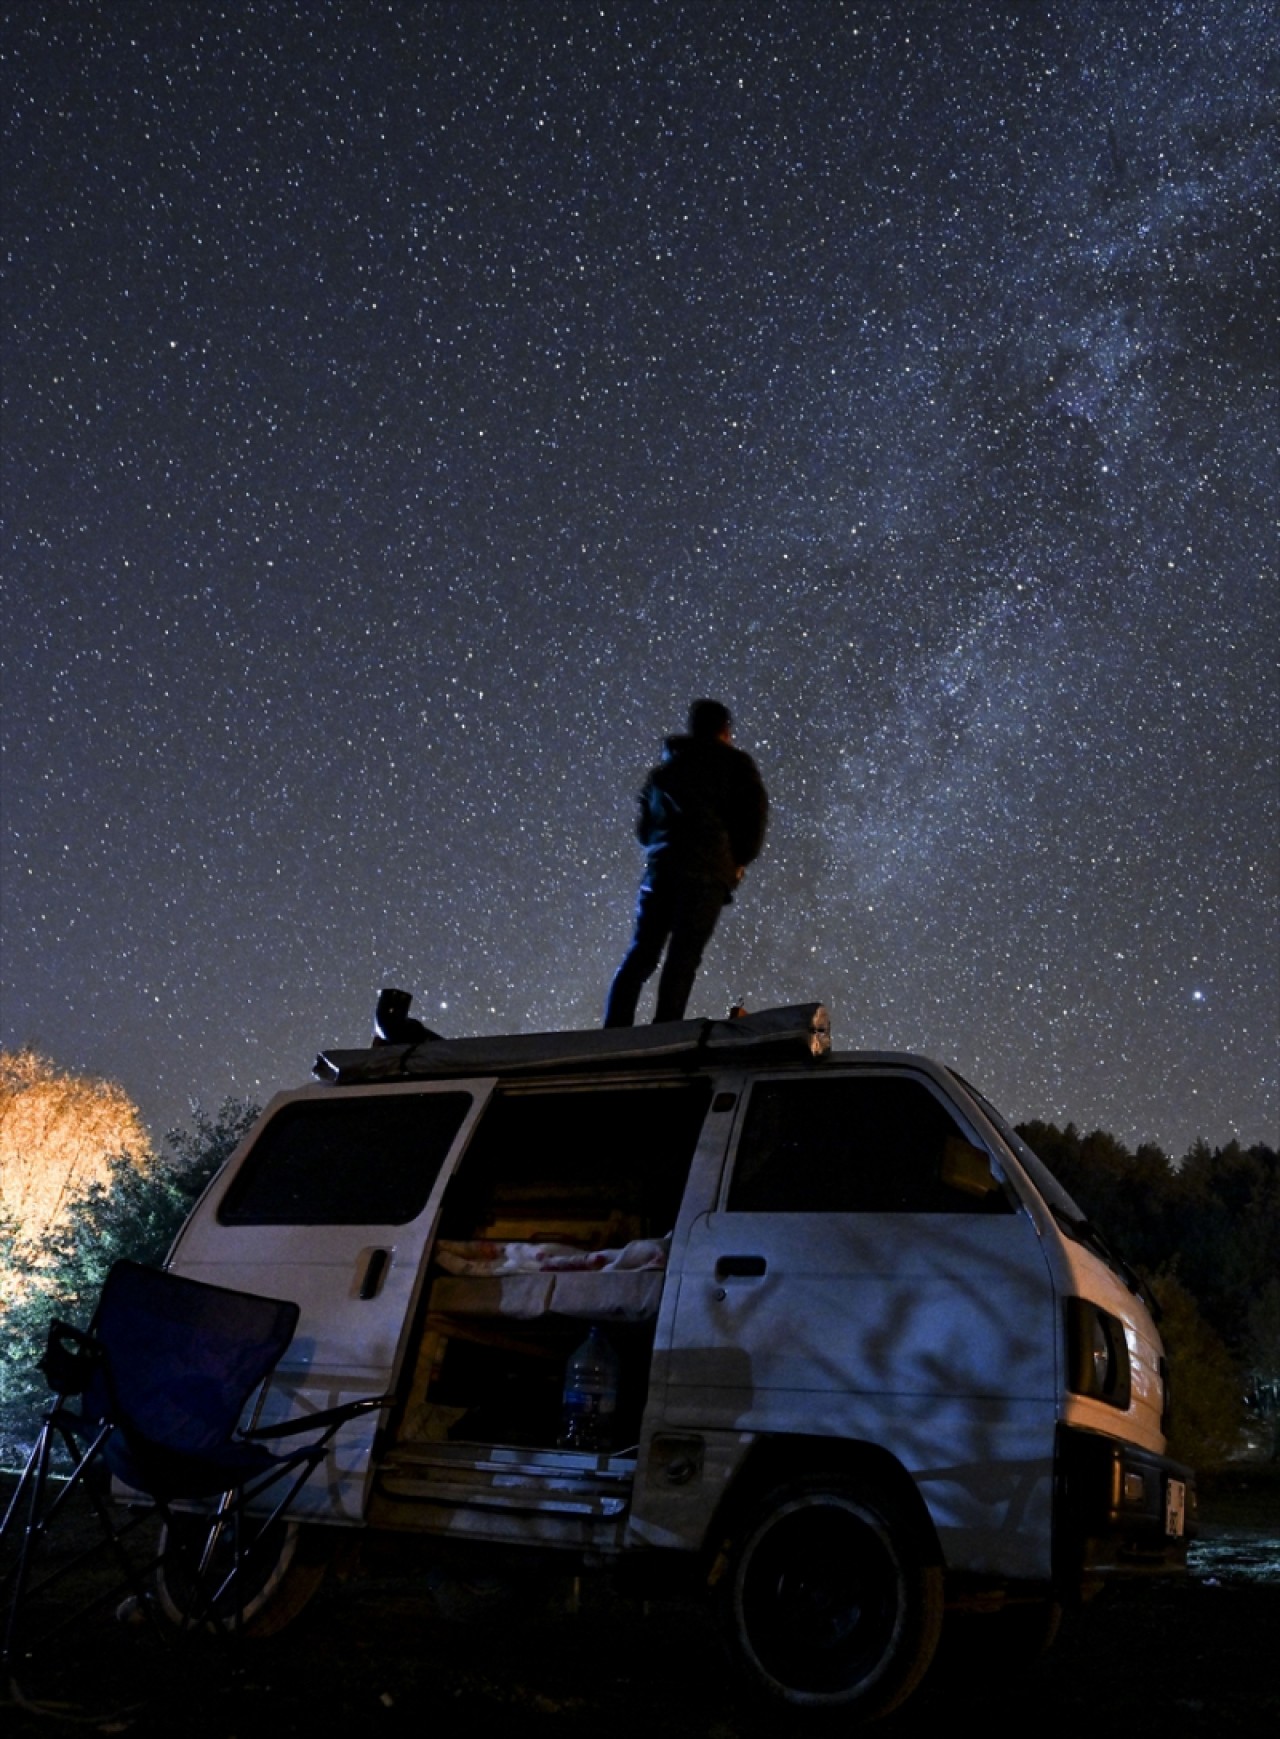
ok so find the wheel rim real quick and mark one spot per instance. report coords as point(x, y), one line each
point(187, 1594)
point(820, 1598)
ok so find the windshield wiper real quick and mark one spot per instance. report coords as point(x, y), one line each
point(1086, 1233)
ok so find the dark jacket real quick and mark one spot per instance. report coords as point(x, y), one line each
point(702, 813)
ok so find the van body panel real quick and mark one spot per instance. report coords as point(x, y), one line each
point(903, 1305)
point(932, 1336)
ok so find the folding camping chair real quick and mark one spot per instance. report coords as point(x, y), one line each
point(153, 1395)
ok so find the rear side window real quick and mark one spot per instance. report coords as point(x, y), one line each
point(857, 1144)
point(369, 1161)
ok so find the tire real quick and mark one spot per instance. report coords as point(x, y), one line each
point(828, 1605)
point(280, 1574)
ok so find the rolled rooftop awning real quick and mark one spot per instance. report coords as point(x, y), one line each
point(784, 1033)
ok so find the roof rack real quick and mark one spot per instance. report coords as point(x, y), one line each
point(773, 1033)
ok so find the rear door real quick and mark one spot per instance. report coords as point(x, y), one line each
point(333, 1204)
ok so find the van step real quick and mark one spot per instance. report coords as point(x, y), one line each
point(551, 1482)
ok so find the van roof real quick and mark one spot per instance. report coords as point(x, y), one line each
point(772, 1035)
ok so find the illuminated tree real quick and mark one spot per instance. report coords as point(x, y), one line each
point(58, 1134)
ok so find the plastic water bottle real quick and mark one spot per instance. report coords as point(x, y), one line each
point(590, 1395)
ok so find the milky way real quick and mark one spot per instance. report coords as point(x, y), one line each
point(410, 407)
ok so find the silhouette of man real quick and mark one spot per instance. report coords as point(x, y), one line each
point(702, 819)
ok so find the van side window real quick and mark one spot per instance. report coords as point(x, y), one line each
point(857, 1144)
point(354, 1162)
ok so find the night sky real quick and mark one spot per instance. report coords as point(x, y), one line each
point(408, 408)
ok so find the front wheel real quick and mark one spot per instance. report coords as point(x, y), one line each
point(199, 1586)
point(828, 1605)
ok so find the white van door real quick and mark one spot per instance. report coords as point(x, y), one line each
point(866, 1276)
point(333, 1203)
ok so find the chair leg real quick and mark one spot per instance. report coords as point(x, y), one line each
point(30, 1485)
point(41, 1513)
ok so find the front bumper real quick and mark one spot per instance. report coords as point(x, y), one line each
point(1119, 1511)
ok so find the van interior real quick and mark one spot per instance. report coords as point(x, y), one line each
point(559, 1216)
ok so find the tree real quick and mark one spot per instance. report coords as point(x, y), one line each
point(1128, 1196)
point(134, 1211)
point(58, 1134)
point(1227, 1231)
point(1206, 1393)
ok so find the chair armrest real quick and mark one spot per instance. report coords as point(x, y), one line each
point(70, 1358)
point(328, 1421)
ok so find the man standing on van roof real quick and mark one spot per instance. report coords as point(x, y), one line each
point(702, 819)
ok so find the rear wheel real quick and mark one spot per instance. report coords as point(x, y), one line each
point(829, 1605)
point(280, 1570)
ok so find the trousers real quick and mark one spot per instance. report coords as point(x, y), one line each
point(677, 915)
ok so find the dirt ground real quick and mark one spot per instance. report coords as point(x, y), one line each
point(391, 1647)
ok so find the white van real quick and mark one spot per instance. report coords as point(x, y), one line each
point(873, 1365)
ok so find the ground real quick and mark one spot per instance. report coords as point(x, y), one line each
point(392, 1648)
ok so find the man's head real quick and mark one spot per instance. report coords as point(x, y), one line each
point(710, 718)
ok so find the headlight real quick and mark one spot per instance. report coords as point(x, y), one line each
point(1097, 1357)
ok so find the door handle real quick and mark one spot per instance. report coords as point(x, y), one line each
point(740, 1267)
point(374, 1269)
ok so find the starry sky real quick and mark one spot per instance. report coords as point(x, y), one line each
point(409, 407)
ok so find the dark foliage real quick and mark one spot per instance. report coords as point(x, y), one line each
point(1206, 1234)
